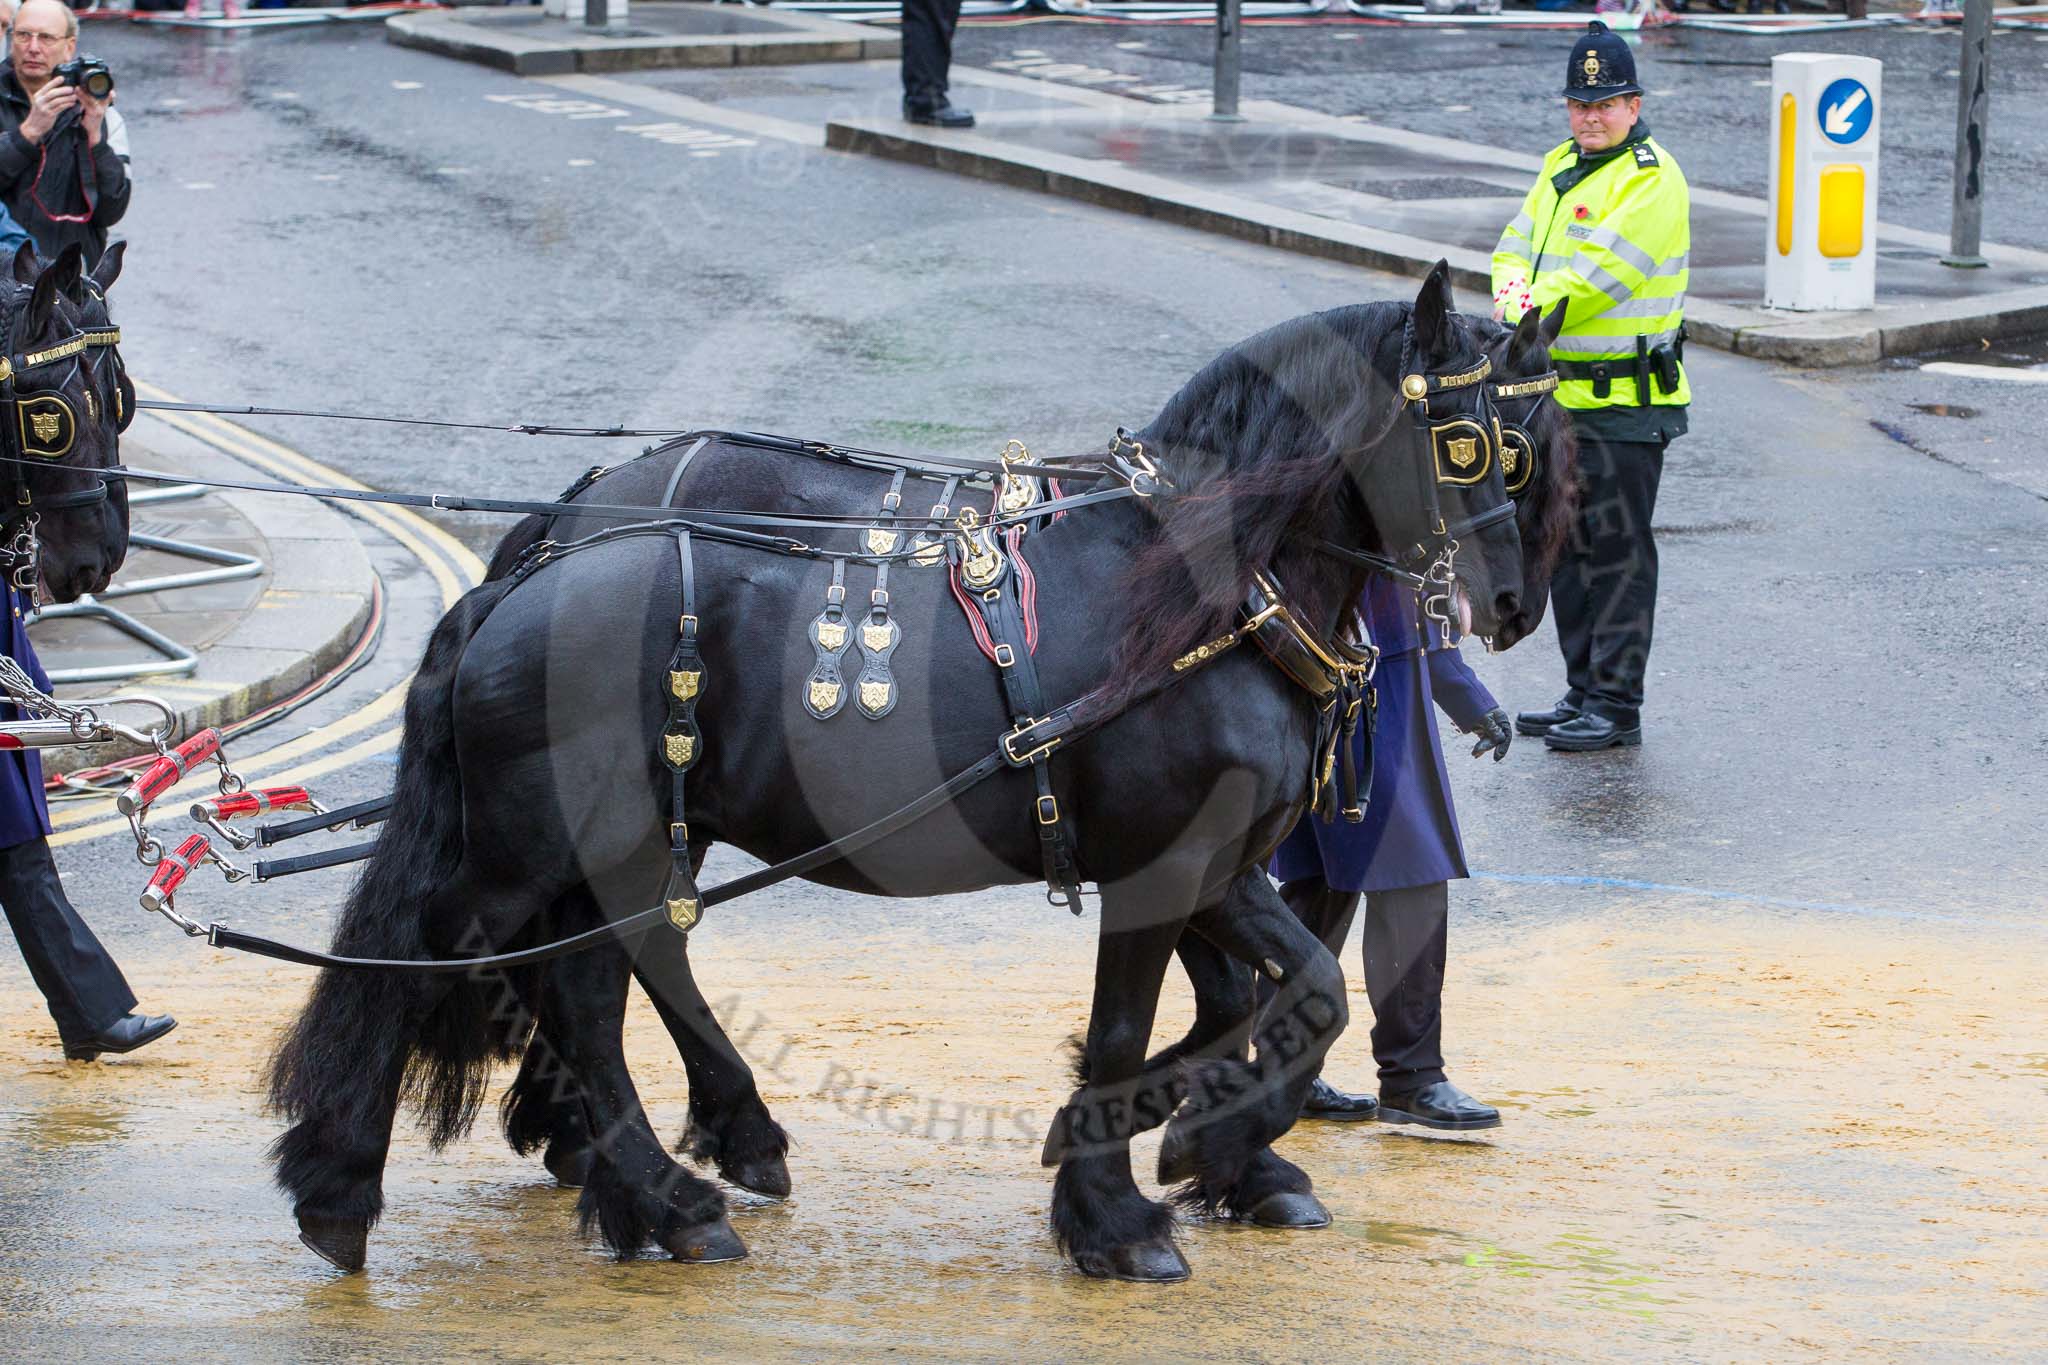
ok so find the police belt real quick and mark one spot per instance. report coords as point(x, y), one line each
point(1660, 361)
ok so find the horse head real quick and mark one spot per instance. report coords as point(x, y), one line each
point(1433, 486)
point(62, 520)
point(1539, 454)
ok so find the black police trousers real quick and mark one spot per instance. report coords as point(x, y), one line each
point(927, 47)
point(1406, 934)
point(1604, 593)
point(84, 990)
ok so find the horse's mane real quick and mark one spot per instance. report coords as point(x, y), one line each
point(1256, 447)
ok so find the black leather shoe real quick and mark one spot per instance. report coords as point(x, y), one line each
point(1442, 1105)
point(1326, 1101)
point(1593, 731)
point(125, 1034)
point(1543, 722)
point(940, 113)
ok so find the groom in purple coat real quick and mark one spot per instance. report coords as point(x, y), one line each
point(1402, 859)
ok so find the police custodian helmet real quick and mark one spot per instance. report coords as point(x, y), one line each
point(1601, 67)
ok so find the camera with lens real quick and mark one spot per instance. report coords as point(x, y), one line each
point(89, 74)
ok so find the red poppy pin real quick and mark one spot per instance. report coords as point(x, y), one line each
point(1582, 213)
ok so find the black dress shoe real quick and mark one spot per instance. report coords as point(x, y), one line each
point(1593, 731)
point(1326, 1101)
point(940, 113)
point(1442, 1105)
point(125, 1034)
point(1543, 722)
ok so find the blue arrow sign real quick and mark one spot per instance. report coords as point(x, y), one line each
point(1846, 110)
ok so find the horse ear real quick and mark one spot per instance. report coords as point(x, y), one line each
point(27, 265)
point(1525, 341)
point(109, 269)
point(69, 271)
point(1553, 323)
point(42, 302)
point(1433, 312)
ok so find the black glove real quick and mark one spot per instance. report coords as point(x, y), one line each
point(1494, 733)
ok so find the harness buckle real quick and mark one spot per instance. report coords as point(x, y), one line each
point(1006, 657)
point(1048, 810)
point(1011, 738)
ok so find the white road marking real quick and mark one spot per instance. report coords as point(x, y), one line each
point(407, 85)
point(699, 141)
point(683, 107)
point(1963, 370)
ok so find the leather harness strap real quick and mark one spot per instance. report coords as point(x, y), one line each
point(681, 746)
point(997, 598)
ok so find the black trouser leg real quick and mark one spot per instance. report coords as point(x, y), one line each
point(927, 47)
point(1405, 935)
point(84, 989)
point(1605, 590)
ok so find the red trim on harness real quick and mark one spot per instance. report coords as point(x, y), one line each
point(261, 801)
point(1027, 598)
point(168, 771)
point(177, 865)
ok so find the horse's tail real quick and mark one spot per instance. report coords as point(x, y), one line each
point(366, 1039)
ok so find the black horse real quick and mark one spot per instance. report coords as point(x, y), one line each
point(63, 527)
point(531, 802)
point(731, 1126)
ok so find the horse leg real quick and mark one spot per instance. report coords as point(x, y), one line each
point(1099, 1218)
point(729, 1123)
point(1235, 1109)
point(635, 1193)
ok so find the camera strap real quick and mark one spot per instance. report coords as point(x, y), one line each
point(70, 120)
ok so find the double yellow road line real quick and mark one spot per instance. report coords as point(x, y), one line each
point(455, 568)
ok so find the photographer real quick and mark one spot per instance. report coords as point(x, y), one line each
point(64, 154)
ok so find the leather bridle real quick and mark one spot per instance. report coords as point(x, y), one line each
point(1515, 406)
point(38, 424)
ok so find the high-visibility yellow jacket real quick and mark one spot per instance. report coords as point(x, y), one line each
point(1611, 238)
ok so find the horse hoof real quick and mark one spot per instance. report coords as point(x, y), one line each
point(1288, 1209)
point(706, 1243)
point(1176, 1156)
point(343, 1243)
point(569, 1166)
point(768, 1178)
point(1145, 1263)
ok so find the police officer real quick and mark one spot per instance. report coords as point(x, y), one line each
point(1606, 229)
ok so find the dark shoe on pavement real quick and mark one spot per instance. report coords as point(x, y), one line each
point(940, 113)
point(1543, 722)
point(125, 1034)
point(1442, 1105)
point(1326, 1101)
point(1593, 731)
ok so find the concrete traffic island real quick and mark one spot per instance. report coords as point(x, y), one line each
point(1395, 200)
point(659, 33)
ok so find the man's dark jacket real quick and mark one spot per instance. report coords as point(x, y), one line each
point(73, 179)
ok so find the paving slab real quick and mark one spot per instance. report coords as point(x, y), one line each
point(1397, 200)
point(527, 42)
point(259, 639)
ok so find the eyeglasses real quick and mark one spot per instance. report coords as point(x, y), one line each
point(30, 38)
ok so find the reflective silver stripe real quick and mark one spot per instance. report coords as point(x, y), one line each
point(1553, 261)
point(1607, 284)
point(1648, 308)
point(1644, 263)
point(1675, 266)
point(1611, 346)
point(1523, 224)
point(1511, 245)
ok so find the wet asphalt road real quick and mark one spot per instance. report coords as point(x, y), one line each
point(1846, 704)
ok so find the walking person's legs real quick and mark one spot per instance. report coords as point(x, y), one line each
point(927, 58)
point(1405, 938)
point(84, 989)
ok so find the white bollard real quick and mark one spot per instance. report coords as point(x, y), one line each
point(1820, 237)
